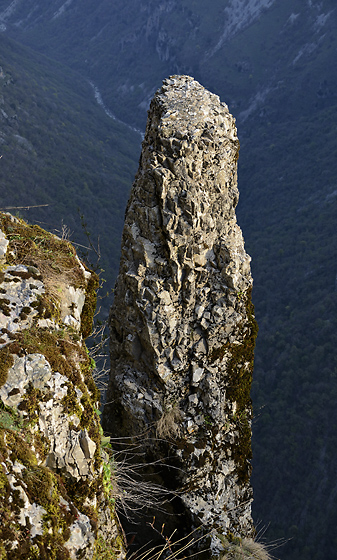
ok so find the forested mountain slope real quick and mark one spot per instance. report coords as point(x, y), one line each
point(274, 63)
point(60, 149)
point(246, 50)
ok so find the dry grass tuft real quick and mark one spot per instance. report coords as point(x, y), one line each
point(245, 549)
point(99, 354)
point(132, 493)
point(168, 424)
point(172, 548)
point(32, 246)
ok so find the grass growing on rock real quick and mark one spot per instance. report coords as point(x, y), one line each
point(34, 247)
point(53, 261)
point(244, 549)
point(43, 488)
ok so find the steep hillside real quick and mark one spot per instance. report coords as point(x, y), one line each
point(245, 50)
point(289, 215)
point(60, 149)
point(274, 63)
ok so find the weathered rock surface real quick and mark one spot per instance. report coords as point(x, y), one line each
point(53, 498)
point(182, 323)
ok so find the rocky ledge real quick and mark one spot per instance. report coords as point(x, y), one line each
point(55, 481)
point(182, 322)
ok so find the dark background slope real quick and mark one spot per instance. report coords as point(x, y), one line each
point(277, 71)
point(60, 149)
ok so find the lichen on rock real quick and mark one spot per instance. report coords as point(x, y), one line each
point(182, 323)
point(52, 496)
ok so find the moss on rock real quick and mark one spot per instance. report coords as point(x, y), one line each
point(240, 371)
point(6, 362)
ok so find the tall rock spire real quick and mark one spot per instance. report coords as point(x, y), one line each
point(182, 323)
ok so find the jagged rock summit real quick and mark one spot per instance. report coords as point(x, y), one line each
point(182, 323)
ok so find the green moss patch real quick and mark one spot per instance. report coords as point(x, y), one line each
point(240, 367)
point(9, 418)
point(106, 550)
point(239, 370)
point(62, 353)
point(6, 362)
point(30, 403)
point(20, 449)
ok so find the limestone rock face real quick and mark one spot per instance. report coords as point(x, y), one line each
point(182, 323)
point(53, 501)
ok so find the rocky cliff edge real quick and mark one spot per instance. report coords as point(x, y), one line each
point(55, 500)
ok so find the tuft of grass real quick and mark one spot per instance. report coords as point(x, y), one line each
point(168, 424)
point(172, 547)
point(32, 246)
point(244, 549)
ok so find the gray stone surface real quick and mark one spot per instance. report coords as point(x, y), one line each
point(81, 537)
point(18, 296)
point(71, 451)
point(3, 246)
point(180, 308)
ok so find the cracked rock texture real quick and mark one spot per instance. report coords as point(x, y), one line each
point(53, 499)
point(182, 323)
